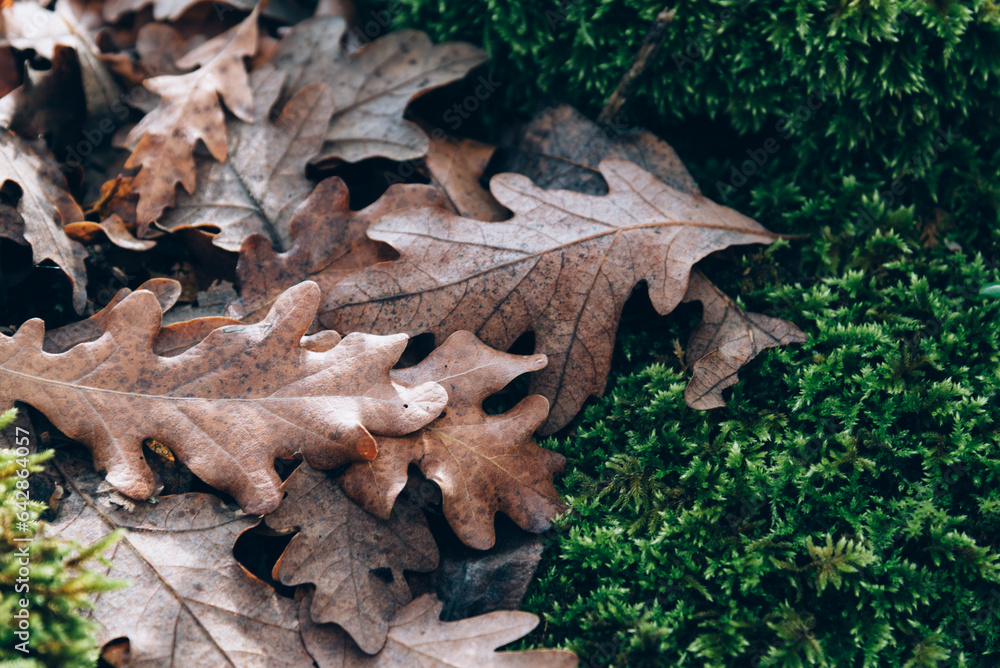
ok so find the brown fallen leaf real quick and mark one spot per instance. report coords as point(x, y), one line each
point(417, 637)
point(329, 241)
point(45, 207)
point(562, 148)
point(163, 141)
point(63, 338)
point(189, 602)
point(562, 268)
point(355, 559)
point(455, 166)
point(50, 102)
point(112, 227)
point(482, 463)
point(262, 180)
point(726, 338)
point(228, 407)
point(372, 86)
point(27, 25)
point(169, 10)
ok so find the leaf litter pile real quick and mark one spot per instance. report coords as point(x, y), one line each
point(224, 355)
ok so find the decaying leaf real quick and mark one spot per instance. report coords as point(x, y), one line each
point(417, 637)
point(44, 207)
point(228, 407)
point(726, 338)
point(355, 559)
point(455, 167)
point(189, 603)
point(475, 582)
point(163, 142)
point(563, 268)
point(372, 86)
point(329, 242)
point(262, 180)
point(562, 148)
point(482, 463)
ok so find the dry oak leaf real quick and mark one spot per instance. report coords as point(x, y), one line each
point(561, 148)
point(169, 10)
point(63, 338)
point(173, 338)
point(45, 207)
point(329, 241)
point(229, 406)
point(482, 463)
point(562, 267)
point(355, 559)
point(189, 602)
point(372, 86)
point(257, 188)
point(26, 25)
point(417, 637)
point(112, 227)
point(455, 166)
point(726, 338)
point(163, 142)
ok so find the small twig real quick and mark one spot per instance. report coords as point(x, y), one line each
point(650, 47)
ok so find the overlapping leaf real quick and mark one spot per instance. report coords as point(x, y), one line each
point(43, 209)
point(372, 86)
point(190, 109)
point(562, 268)
point(189, 601)
point(329, 241)
point(227, 407)
point(344, 550)
point(262, 180)
point(417, 637)
point(726, 338)
point(482, 463)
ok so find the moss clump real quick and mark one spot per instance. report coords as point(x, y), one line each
point(844, 508)
point(59, 585)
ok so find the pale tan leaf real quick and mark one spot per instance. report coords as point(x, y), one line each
point(189, 602)
point(417, 637)
point(373, 85)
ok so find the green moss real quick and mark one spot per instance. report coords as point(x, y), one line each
point(844, 509)
point(59, 585)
